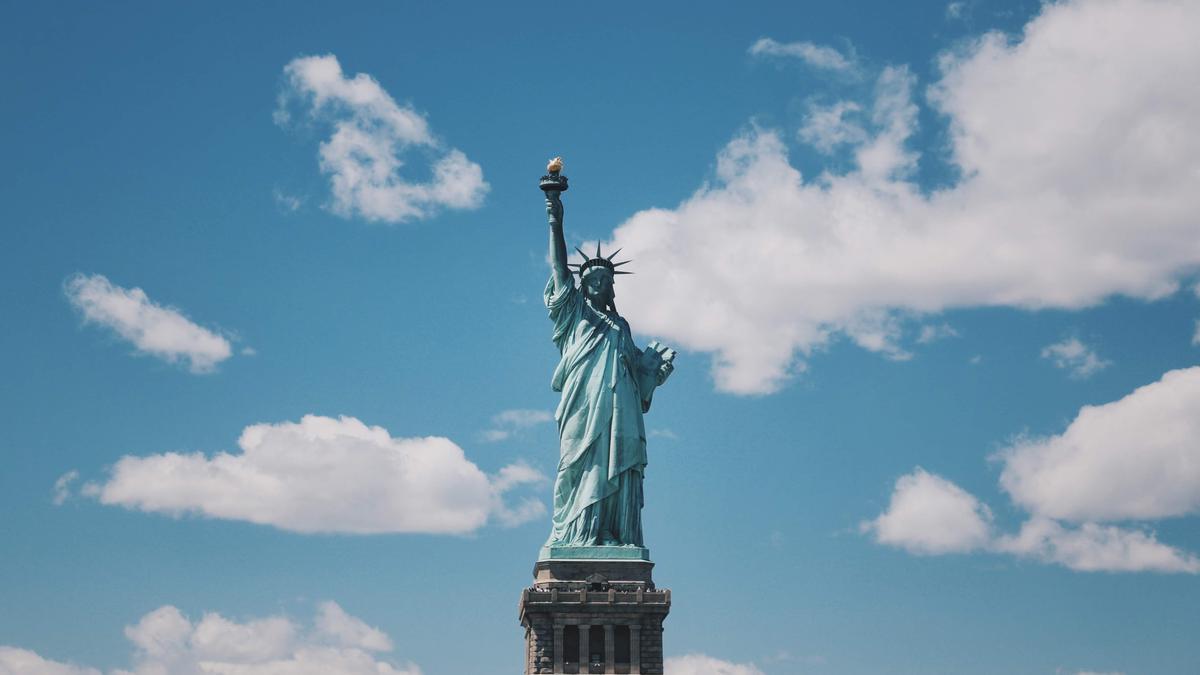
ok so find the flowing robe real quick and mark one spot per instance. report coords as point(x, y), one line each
point(602, 438)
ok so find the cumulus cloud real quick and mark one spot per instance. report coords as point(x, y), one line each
point(1077, 358)
point(326, 475)
point(701, 664)
point(930, 515)
point(371, 133)
point(333, 621)
point(165, 641)
point(1089, 191)
point(154, 329)
point(1096, 548)
point(509, 422)
point(816, 56)
point(14, 661)
point(1135, 460)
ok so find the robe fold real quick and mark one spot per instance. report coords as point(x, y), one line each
point(602, 438)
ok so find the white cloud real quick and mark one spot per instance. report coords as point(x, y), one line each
point(15, 661)
point(370, 134)
point(529, 508)
point(1096, 548)
point(62, 487)
point(700, 664)
point(955, 10)
point(827, 127)
point(817, 56)
point(1135, 458)
point(334, 622)
point(1080, 162)
point(325, 475)
point(286, 202)
point(509, 422)
point(154, 329)
point(930, 515)
point(934, 332)
point(1074, 356)
point(167, 643)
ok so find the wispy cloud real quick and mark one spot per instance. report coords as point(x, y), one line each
point(934, 332)
point(62, 487)
point(702, 664)
point(829, 127)
point(371, 133)
point(1115, 463)
point(1078, 359)
point(325, 475)
point(509, 422)
point(817, 56)
point(167, 641)
point(160, 331)
point(286, 202)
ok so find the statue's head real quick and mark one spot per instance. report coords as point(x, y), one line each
point(597, 286)
point(596, 275)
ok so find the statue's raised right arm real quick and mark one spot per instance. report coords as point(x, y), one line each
point(558, 244)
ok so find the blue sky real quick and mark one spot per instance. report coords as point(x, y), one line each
point(278, 369)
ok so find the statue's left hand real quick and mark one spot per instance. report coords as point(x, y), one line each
point(664, 371)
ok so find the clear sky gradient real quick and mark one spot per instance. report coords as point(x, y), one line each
point(276, 365)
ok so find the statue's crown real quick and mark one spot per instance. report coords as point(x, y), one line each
point(598, 261)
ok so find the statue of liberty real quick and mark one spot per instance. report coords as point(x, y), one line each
point(607, 384)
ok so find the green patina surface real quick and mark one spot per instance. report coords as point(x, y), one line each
point(607, 384)
point(594, 553)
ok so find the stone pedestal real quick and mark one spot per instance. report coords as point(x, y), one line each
point(594, 616)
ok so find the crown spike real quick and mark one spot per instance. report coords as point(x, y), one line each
point(598, 250)
point(620, 272)
point(613, 255)
point(623, 262)
point(585, 256)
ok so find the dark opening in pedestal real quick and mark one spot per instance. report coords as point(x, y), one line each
point(602, 616)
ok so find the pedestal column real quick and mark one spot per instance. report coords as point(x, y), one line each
point(635, 650)
point(610, 649)
point(585, 656)
point(558, 648)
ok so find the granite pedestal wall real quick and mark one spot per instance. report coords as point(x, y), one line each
point(594, 616)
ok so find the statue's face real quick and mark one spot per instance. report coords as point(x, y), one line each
point(597, 286)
